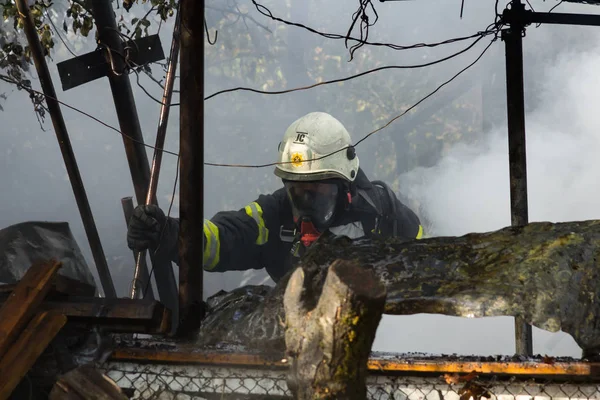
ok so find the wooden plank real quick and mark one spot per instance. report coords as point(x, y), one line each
point(61, 286)
point(118, 315)
point(25, 351)
point(86, 383)
point(184, 355)
point(21, 305)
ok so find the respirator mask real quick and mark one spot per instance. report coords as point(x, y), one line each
point(314, 205)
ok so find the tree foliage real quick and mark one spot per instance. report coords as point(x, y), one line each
point(15, 55)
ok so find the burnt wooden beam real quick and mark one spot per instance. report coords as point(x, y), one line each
point(23, 302)
point(60, 286)
point(191, 181)
point(23, 354)
point(116, 315)
point(545, 273)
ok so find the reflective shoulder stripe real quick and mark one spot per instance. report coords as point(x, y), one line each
point(420, 233)
point(212, 247)
point(255, 211)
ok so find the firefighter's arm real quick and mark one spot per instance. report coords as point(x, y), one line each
point(408, 222)
point(234, 240)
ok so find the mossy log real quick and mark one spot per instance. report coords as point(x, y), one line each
point(329, 345)
point(546, 273)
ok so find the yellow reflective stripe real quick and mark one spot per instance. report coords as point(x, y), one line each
point(255, 211)
point(213, 246)
point(420, 233)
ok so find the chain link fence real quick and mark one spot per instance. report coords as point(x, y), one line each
point(196, 382)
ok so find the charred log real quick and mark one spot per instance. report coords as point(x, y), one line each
point(329, 345)
point(545, 273)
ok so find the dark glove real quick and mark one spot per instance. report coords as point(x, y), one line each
point(145, 227)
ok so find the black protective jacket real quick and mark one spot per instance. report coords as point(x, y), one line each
point(257, 236)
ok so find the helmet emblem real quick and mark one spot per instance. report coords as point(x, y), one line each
point(297, 159)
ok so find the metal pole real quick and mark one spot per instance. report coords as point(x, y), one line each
point(161, 133)
point(517, 150)
point(109, 38)
point(143, 278)
point(191, 204)
point(64, 142)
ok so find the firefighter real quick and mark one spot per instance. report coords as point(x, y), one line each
point(324, 191)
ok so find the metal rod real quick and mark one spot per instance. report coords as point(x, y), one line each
point(161, 133)
point(66, 149)
point(133, 140)
point(517, 150)
point(191, 197)
point(144, 276)
point(562, 18)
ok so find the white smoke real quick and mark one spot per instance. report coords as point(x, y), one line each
point(468, 191)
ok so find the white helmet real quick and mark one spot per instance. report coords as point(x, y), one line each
point(311, 137)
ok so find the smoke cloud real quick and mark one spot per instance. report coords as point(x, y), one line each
point(461, 184)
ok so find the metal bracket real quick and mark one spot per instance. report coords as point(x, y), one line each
point(91, 66)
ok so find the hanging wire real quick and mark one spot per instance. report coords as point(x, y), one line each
point(59, 35)
point(364, 25)
point(266, 12)
point(10, 80)
point(212, 43)
point(372, 132)
point(388, 67)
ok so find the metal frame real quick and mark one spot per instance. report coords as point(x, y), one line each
point(517, 18)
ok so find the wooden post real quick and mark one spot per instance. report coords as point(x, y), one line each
point(329, 346)
point(191, 184)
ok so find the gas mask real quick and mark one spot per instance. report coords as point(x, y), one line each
point(314, 205)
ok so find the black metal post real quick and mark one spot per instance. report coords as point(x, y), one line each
point(191, 204)
point(143, 278)
point(109, 38)
point(66, 149)
point(513, 40)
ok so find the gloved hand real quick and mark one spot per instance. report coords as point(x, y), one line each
point(145, 227)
